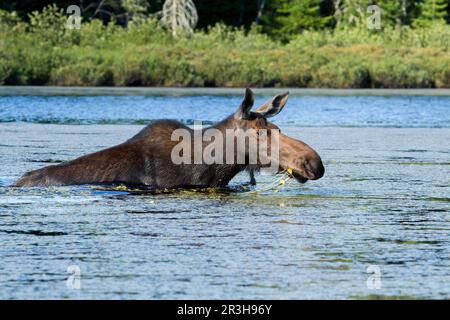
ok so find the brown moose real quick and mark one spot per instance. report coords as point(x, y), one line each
point(146, 159)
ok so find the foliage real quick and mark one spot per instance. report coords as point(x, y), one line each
point(145, 54)
point(395, 12)
point(351, 13)
point(135, 10)
point(294, 16)
point(431, 11)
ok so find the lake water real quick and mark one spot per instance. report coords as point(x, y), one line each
point(382, 206)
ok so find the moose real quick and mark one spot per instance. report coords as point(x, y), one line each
point(147, 158)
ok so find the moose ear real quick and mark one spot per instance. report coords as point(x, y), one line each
point(273, 106)
point(246, 105)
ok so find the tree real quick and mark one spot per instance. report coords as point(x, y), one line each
point(284, 18)
point(298, 15)
point(261, 5)
point(431, 11)
point(179, 16)
point(351, 12)
point(135, 9)
point(395, 12)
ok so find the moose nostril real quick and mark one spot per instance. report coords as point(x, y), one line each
point(309, 170)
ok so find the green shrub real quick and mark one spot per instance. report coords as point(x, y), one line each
point(143, 54)
point(85, 72)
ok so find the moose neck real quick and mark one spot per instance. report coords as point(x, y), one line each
point(221, 174)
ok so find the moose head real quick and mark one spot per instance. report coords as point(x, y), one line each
point(291, 153)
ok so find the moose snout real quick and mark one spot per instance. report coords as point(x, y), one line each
point(304, 161)
point(314, 168)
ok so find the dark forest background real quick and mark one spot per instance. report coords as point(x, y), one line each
point(275, 16)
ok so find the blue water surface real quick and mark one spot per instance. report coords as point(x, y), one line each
point(377, 225)
point(369, 111)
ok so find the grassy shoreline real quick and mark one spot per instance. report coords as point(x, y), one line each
point(145, 55)
point(195, 91)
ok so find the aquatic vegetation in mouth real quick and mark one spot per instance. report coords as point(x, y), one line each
point(275, 187)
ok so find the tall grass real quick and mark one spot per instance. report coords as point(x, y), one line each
point(44, 52)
